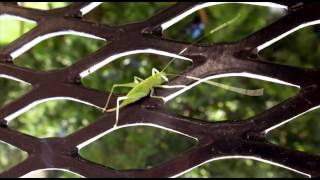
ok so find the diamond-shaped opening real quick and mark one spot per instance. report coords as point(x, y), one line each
point(11, 90)
point(124, 69)
point(58, 52)
point(44, 5)
point(213, 103)
point(55, 118)
point(242, 20)
point(301, 134)
point(120, 13)
point(10, 156)
point(11, 29)
point(136, 148)
point(240, 168)
point(300, 49)
point(52, 174)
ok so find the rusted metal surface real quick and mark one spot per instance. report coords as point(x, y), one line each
point(245, 138)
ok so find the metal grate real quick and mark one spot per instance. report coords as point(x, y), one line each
point(229, 139)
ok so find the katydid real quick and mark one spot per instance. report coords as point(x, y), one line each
point(144, 87)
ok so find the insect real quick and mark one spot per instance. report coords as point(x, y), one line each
point(144, 87)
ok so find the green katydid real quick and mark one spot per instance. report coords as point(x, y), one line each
point(144, 87)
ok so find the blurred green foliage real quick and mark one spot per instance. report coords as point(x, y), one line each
point(10, 156)
point(123, 13)
point(252, 18)
point(144, 147)
point(138, 146)
point(72, 117)
point(11, 29)
point(303, 49)
point(11, 90)
point(60, 56)
point(44, 5)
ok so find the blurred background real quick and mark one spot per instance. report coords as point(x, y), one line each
point(145, 147)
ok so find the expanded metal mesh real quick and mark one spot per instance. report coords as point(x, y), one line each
point(228, 139)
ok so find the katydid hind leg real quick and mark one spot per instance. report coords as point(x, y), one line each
point(248, 92)
point(132, 85)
